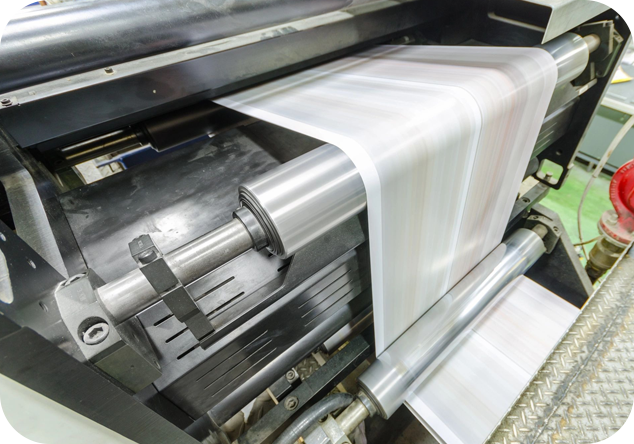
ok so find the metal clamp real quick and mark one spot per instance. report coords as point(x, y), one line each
point(170, 288)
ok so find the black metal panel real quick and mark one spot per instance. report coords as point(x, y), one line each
point(31, 302)
point(274, 328)
point(34, 362)
point(96, 102)
point(36, 213)
point(42, 44)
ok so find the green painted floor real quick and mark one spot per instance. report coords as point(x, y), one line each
point(566, 201)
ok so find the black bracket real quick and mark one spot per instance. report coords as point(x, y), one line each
point(158, 273)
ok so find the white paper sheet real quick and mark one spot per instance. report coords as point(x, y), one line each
point(441, 137)
point(466, 396)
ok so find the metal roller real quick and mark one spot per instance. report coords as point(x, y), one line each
point(81, 36)
point(293, 205)
point(571, 53)
point(413, 355)
point(301, 200)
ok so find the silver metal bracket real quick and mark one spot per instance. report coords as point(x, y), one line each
point(171, 290)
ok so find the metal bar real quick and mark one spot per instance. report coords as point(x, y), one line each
point(120, 140)
point(413, 355)
point(127, 296)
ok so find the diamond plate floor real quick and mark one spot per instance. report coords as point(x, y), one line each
point(584, 392)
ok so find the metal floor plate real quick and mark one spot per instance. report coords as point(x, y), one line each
point(584, 392)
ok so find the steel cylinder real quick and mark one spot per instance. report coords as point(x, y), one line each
point(132, 293)
point(302, 199)
point(46, 43)
point(415, 353)
point(571, 53)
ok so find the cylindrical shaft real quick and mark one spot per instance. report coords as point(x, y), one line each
point(51, 42)
point(351, 417)
point(413, 355)
point(202, 255)
point(571, 53)
point(302, 199)
point(127, 296)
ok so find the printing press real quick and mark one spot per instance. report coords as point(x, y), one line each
point(226, 265)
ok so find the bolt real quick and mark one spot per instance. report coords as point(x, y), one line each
point(147, 256)
point(6, 101)
point(612, 219)
point(291, 403)
point(109, 70)
point(96, 334)
point(526, 200)
point(290, 375)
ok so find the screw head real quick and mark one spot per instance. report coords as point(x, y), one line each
point(290, 375)
point(147, 256)
point(96, 334)
point(109, 70)
point(6, 101)
point(291, 403)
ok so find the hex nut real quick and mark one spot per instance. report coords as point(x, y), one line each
point(291, 403)
point(96, 333)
